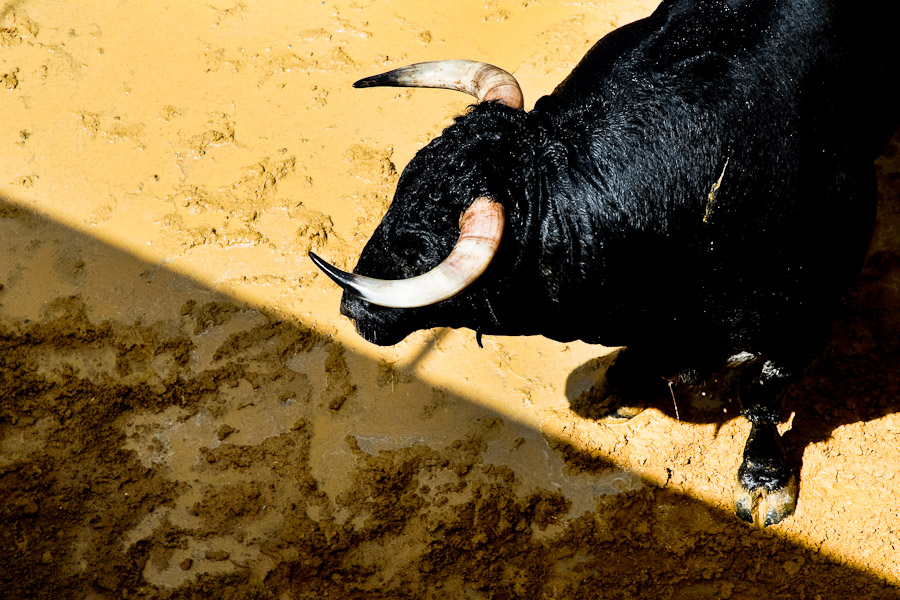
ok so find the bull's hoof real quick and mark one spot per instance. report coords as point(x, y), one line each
point(616, 411)
point(607, 391)
point(605, 408)
point(766, 490)
point(763, 506)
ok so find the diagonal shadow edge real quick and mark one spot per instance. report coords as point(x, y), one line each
point(62, 488)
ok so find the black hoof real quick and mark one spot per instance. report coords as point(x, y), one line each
point(763, 506)
point(766, 490)
point(599, 405)
point(610, 389)
point(615, 410)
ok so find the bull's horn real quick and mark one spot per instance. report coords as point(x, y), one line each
point(481, 227)
point(485, 82)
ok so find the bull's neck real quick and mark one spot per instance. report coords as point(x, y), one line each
point(567, 211)
point(574, 221)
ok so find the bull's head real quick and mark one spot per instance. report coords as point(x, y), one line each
point(411, 274)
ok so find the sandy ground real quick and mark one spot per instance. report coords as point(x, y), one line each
point(184, 413)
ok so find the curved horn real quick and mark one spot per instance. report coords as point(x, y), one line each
point(481, 227)
point(485, 82)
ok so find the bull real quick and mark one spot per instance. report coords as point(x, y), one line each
point(700, 189)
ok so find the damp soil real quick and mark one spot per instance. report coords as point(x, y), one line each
point(184, 413)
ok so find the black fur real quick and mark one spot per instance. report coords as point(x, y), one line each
point(616, 230)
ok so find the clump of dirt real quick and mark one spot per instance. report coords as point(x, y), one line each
point(15, 26)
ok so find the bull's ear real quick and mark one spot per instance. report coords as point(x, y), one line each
point(485, 82)
point(481, 228)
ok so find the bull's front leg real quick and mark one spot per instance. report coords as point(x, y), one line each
point(766, 489)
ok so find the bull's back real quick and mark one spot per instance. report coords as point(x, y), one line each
point(732, 143)
point(713, 52)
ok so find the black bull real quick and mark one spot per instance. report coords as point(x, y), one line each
point(700, 187)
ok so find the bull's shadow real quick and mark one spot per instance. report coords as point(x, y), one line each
point(856, 377)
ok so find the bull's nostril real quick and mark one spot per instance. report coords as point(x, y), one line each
point(349, 306)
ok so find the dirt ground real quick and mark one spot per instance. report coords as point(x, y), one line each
point(184, 414)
